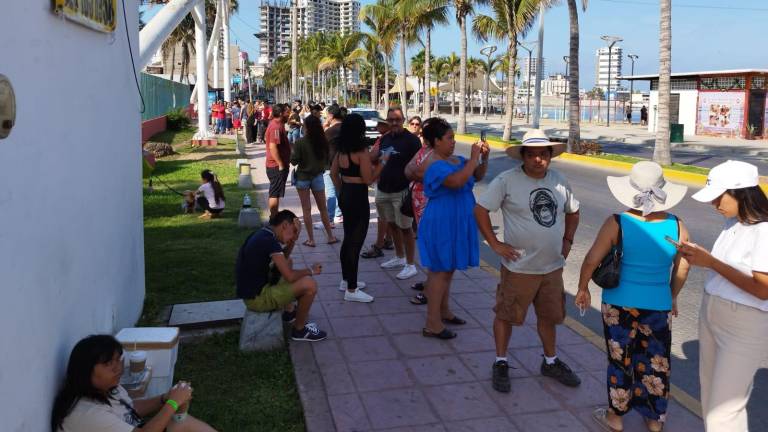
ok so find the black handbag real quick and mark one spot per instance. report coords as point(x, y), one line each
point(406, 207)
point(608, 273)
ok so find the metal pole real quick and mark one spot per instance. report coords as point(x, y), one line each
point(198, 14)
point(632, 57)
point(539, 69)
point(488, 51)
point(528, 96)
point(565, 90)
point(294, 50)
point(227, 61)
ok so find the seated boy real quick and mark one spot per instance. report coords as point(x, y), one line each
point(261, 294)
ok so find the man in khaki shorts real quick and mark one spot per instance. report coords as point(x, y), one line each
point(540, 219)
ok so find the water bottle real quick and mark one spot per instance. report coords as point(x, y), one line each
point(246, 201)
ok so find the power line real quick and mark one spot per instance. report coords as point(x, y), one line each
point(694, 6)
point(246, 24)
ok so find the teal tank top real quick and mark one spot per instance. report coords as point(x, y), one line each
point(646, 267)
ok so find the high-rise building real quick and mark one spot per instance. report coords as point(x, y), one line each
point(532, 66)
point(601, 68)
point(313, 16)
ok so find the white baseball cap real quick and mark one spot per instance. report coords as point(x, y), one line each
point(727, 175)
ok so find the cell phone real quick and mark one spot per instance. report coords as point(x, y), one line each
point(482, 135)
point(671, 240)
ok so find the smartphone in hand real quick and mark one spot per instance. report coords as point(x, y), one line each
point(482, 135)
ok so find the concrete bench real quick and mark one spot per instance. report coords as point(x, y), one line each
point(261, 331)
point(249, 218)
point(245, 181)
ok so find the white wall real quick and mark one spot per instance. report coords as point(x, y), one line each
point(688, 110)
point(71, 236)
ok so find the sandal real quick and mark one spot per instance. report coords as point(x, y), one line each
point(419, 299)
point(334, 241)
point(653, 428)
point(455, 320)
point(388, 245)
point(309, 243)
point(444, 334)
point(418, 286)
point(373, 252)
point(600, 416)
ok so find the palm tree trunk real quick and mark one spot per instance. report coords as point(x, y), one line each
point(173, 61)
point(374, 99)
point(462, 124)
point(453, 95)
point(436, 109)
point(661, 151)
point(574, 116)
point(386, 84)
point(403, 89)
point(343, 81)
point(427, 66)
point(509, 115)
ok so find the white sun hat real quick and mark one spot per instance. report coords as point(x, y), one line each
point(535, 138)
point(646, 189)
point(727, 175)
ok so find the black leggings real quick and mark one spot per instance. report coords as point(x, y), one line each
point(205, 205)
point(353, 201)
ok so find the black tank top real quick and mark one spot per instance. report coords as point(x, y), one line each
point(353, 170)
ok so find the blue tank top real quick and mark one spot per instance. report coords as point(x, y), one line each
point(646, 267)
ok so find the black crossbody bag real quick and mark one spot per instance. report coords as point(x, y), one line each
point(608, 273)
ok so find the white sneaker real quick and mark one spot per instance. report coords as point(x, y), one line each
point(338, 219)
point(357, 296)
point(394, 263)
point(343, 285)
point(408, 271)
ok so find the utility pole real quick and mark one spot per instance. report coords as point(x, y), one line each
point(611, 42)
point(488, 52)
point(632, 57)
point(227, 61)
point(539, 69)
point(294, 49)
point(565, 90)
point(528, 85)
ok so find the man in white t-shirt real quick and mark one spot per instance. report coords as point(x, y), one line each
point(540, 219)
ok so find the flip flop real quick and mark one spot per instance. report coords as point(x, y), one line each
point(419, 299)
point(308, 243)
point(648, 425)
point(334, 241)
point(600, 416)
point(455, 321)
point(445, 334)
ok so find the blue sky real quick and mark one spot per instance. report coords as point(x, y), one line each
point(706, 34)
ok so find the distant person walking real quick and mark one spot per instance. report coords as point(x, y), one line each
point(249, 118)
point(332, 131)
point(733, 322)
point(310, 155)
point(236, 116)
point(644, 116)
point(278, 156)
point(637, 313)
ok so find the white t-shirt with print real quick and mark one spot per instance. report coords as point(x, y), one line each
point(744, 247)
point(89, 415)
point(534, 217)
point(207, 190)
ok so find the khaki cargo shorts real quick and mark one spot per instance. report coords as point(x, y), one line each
point(388, 206)
point(272, 297)
point(516, 292)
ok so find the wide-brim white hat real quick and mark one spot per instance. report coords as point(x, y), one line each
point(646, 189)
point(535, 138)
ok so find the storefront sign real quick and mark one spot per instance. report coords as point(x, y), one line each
point(98, 15)
point(721, 113)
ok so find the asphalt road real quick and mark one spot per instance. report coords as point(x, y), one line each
point(597, 203)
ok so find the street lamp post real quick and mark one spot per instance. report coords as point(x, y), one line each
point(488, 52)
point(611, 42)
point(632, 57)
point(566, 59)
point(528, 83)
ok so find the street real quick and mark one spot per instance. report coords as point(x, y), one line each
point(597, 203)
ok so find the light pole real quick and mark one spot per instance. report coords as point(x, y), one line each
point(539, 69)
point(566, 59)
point(611, 42)
point(528, 83)
point(632, 57)
point(488, 52)
point(294, 50)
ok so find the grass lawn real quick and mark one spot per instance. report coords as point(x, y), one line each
point(174, 137)
point(188, 260)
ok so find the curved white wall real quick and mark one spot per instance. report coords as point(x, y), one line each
point(71, 236)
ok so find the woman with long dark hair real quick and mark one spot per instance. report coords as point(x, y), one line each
point(733, 321)
point(352, 172)
point(210, 195)
point(310, 155)
point(92, 398)
point(249, 119)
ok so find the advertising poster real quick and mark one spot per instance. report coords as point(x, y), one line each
point(721, 113)
point(98, 15)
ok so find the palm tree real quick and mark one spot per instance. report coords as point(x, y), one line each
point(511, 19)
point(574, 116)
point(183, 37)
point(428, 14)
point(454, 66)
point(407, 27)
point(463, 9)
point(380, 18)
point(417, 63)
point(342, 53)
point(661, 151)
point(474, 68)
point(442, 71)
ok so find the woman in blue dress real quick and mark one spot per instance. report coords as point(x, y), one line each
point(448, 238)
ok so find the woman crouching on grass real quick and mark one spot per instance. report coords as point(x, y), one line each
point(210, 195)
point(92, 398)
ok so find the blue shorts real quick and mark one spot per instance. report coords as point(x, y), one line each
point(316, 184)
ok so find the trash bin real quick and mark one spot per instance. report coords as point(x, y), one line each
point(676, 131)
point(162, 347)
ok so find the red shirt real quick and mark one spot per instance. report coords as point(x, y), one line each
point(267, 114)
point(276, 134)
point(217, 111)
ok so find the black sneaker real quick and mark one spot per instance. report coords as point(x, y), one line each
point(500, 380)
point(289, 317)
point(561, 372)
point(309, 333)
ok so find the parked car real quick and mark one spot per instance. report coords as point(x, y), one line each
point(371, 117)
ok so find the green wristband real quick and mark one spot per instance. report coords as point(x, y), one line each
point(173, 404)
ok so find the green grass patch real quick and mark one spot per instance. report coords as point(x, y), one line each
point(632, 160)
point(236, 391)
point(174, 137)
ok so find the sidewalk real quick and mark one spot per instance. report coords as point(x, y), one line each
point(376, 372)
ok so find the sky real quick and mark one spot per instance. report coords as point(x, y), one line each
point(706, 35)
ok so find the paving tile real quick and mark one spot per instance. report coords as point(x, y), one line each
point(348, 413)
point(377, 276)
point(531, 358)
point(549, 421)
point(566, 336)
point(321, 257)
point(465, 286)
point(380, 290)
point(590, 393)
point(385, 305)
point(341, 308)
point(330, 268)
point(478, 273)
point(524, 337)
point(440, 370)
point(436, 427)
point(319, 423)
point(337, 379)
point(462, 401)
point(527, 395)
point(367, 348)
point(474, 300)
point(356, 326)
point(315, 403)
point(380, 375)
point(484, 316)
point(403, 322)
point(480, 364)
point(327, 353)
point(317, 311)
point(494, 424)
point(471, 340)
point(398, 408)
point(416, 345)
point(587, 356)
